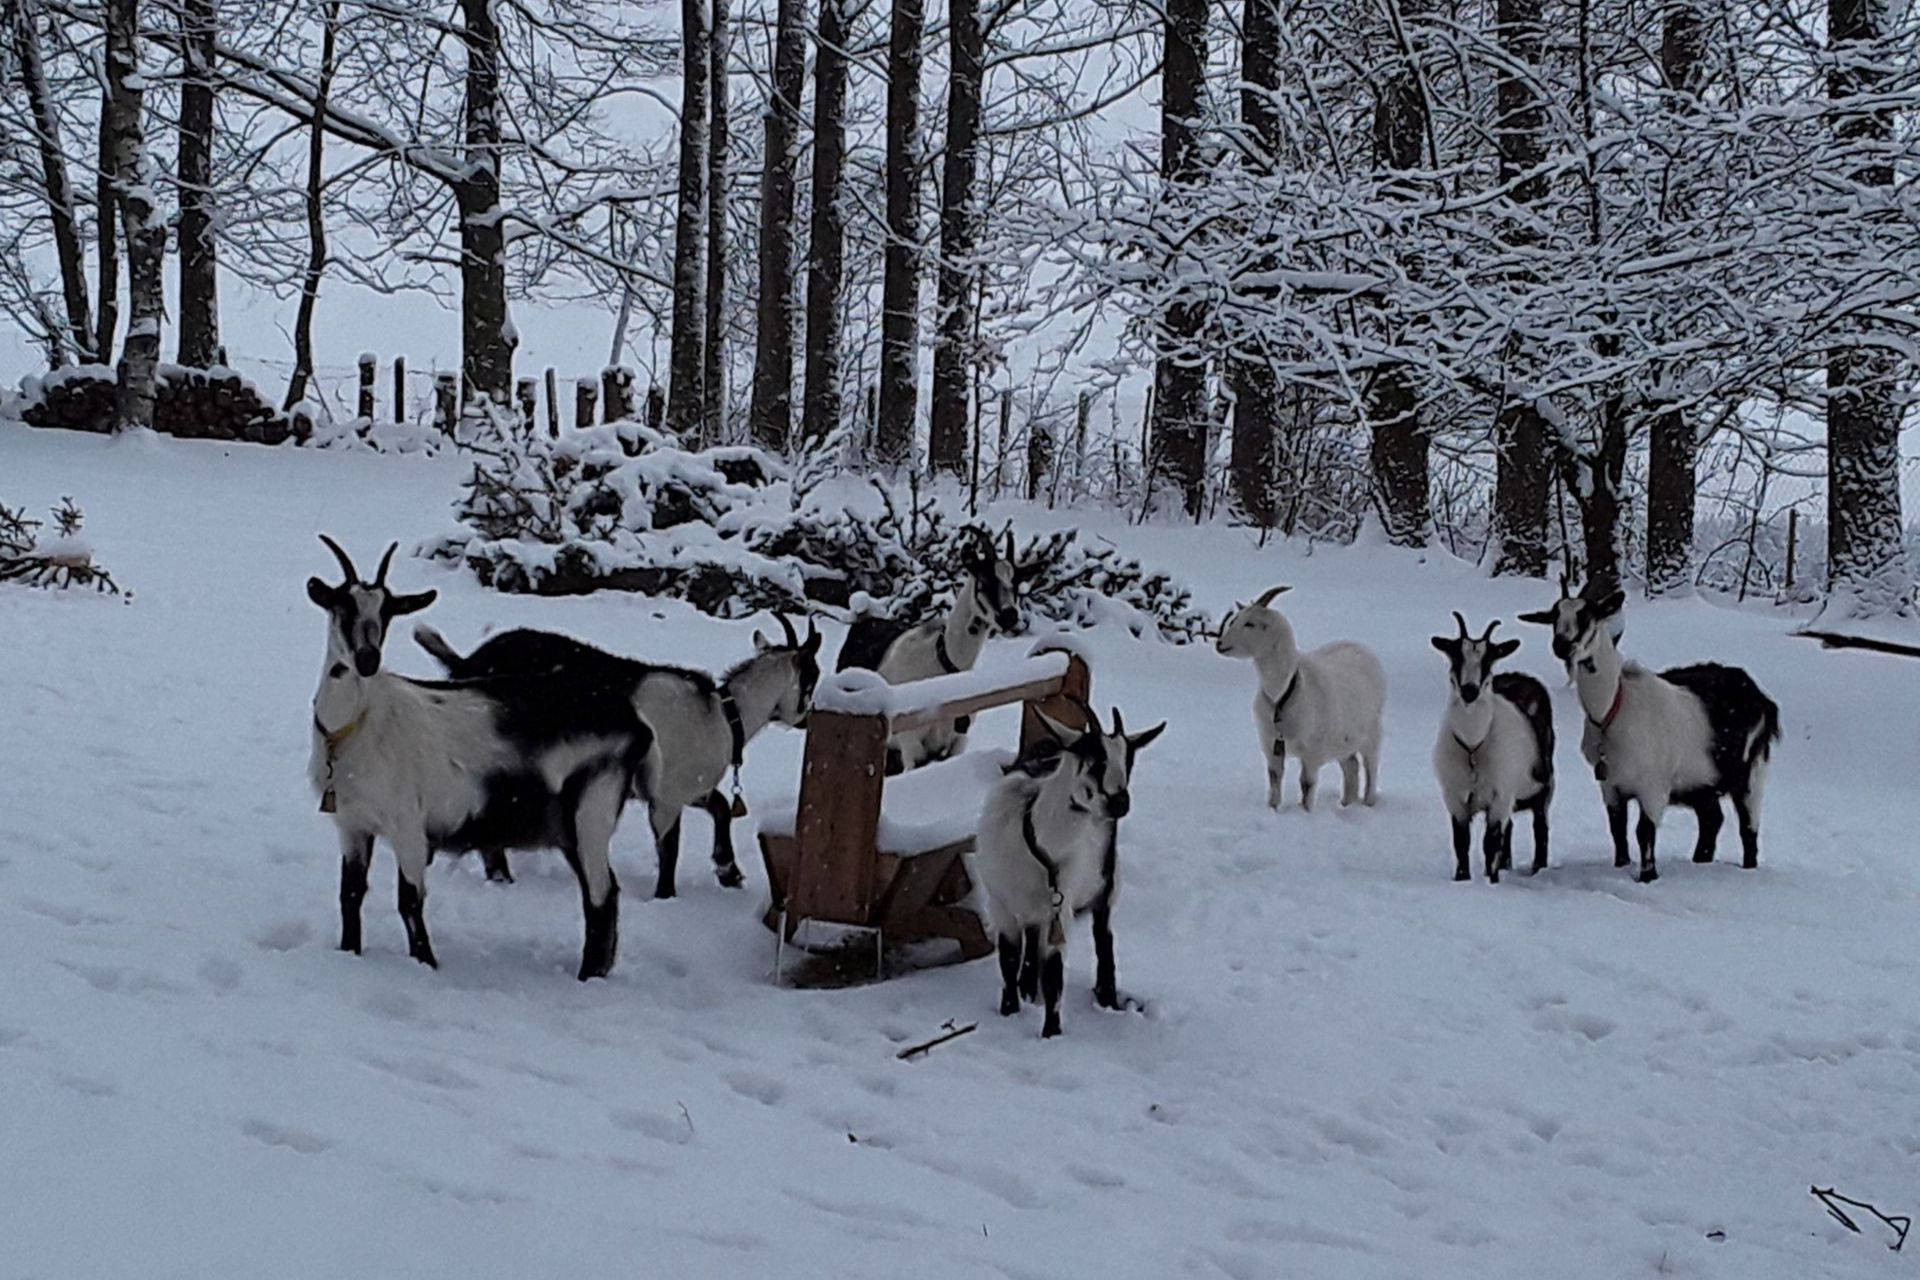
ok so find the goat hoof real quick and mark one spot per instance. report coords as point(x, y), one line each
point(1461, 877)
point(1703, 855)
point(1493, 877)
point(664, 891)
point(1539, 865)
point(1620, 859)
point(425, 957)
point(1050, 1030)
point(730, 876)
point(1648, 875)
point(1009, 1004)
point(1751, 862)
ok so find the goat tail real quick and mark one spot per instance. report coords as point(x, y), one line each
point(1766, 733)
point(436, 645)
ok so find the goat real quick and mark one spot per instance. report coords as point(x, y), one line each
point(524, 762)
point(1324, 705)
point(1047, 851)
point(701, 726)
point(1686, 735)
point(987, 601)
point(1495, 750)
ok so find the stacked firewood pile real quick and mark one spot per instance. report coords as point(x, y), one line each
point(195, 404)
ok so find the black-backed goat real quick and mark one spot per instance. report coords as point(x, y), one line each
point(523, 762)
point(1494, 755)
point(701, 725)
point(988, 600)
point(1686, 735)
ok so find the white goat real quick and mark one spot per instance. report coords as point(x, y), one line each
point(1047, 851)
point(534, 761)
point(1495, 750)
point(1686, 735)
point(986, 601)
point(701, 726)
point(1322, 706)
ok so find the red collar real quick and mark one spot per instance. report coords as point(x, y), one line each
point(1619, 696)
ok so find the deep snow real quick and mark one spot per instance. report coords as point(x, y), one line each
point(1351, 1067)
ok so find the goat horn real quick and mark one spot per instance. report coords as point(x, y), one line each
point(380, 578)
point(346, 564)
point(793, 641)
point(1265, 598)
point(1489, 632)
point(1461, 623)
point(1119, 728)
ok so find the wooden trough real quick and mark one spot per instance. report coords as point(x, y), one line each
point(833, 855)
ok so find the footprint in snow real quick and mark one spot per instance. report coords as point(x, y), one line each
point(219, 973)
point(676, 1129)
point(276, 1135)
point(286, 935)
point(761, 1088)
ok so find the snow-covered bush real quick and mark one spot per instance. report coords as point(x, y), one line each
point(733, 530)
point(26, 556)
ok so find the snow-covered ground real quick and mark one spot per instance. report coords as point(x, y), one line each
point(1351, 1067)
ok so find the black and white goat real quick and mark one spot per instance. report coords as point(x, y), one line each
point(1323, 705)
point(524, 762)
point(1494, 755)
point(701, 725)
point(988, 600)
point(1047, 851)
point(1686, 735)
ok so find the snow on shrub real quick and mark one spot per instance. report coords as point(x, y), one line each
point(734, 529)
point(58, 562)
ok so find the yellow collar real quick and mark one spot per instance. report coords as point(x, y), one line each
point(334, 737)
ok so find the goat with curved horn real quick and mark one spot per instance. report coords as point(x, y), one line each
point(380, 578)
point(1265, 598)
point(346, 561)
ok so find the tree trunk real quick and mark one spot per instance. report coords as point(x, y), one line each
point(486, 335)
point(714, 349)
point(772, 410)
point(106, 232)
point(1256, 389)
point(959, 232)
point(79, 335)
point(1594, 481)
point(199, 287)
point(316, 219)
point(1180, 409)
point(1866, 559)
point(1520, 433)
point(900, 286)
point(826, 242)
point(1399, 444)
point(1671, 447)
point(686, 398)
point(146, 234)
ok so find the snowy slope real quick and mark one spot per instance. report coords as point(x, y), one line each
point(1352, 1067)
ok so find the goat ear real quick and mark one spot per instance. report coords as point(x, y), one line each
point(1541, 617)
point(1138, 741)
point(1505, 649)
point(1443, 643)
point(760, 643)
point(320, 593)
point(1611, 603)
point(811, 645)
point(398, 605)
point(1062, 734)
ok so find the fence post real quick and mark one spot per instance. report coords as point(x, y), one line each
point(656, 405)
point(616, 388)
point(1039, 456)
point(1081, 414)
point(367, 364)
point(1793, 543)
point(446, 408)
point(553, 404)
point(586, 396)
point(523, 391)
point(399, 388)
point(1005, 442)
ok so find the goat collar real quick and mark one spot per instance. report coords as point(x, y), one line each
point(947, 664)
point(1471, 751)
point(1056, 936)
point(731, 710)
point(1280, 703)
point(336, 737)
point(1619, 696)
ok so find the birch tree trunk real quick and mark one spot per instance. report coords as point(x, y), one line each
point(772, 410)
point(686, 398)
point(900, 284)
point(106, 232)
point(146, 234)
point(1180, 409)
point(316, 218)
point(959, 232)
point(714, 349)
point(25, 26)
point(199, 282)
point(1866, 560)
point(1520, 433)
point(826, 241)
